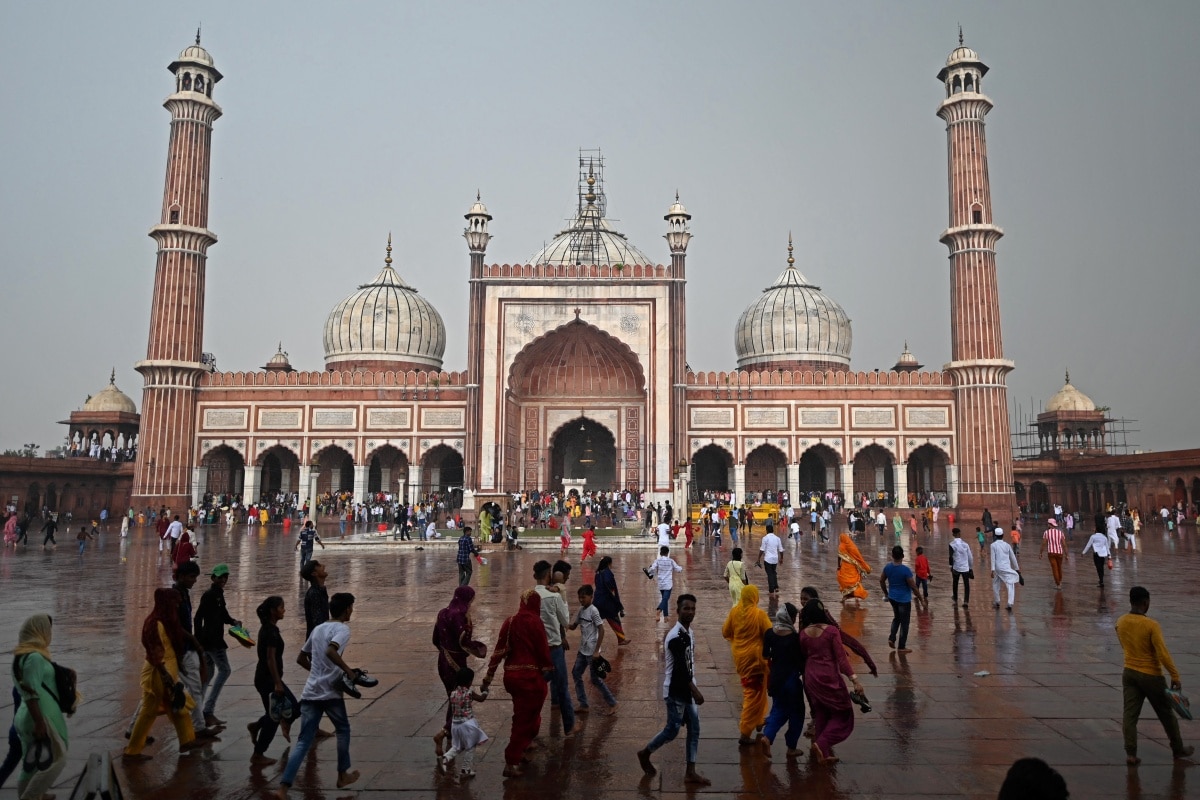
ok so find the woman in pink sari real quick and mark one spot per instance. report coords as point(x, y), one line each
point(824, 665)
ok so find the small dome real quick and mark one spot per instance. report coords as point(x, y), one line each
point(279, 362)
point(677, 210)
point(907, 361)
point(1068, 398)
point(194, 52)
point(478, 209)
point(961, 54)
point(793, 325)
point(110, 398)
point(385, 324)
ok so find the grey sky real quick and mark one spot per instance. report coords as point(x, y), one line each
point(346, 121)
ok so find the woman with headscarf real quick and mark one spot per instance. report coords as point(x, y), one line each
point(40, 718)
point(185, 550)
point(744, 628)
point(851, 568)
point(163, 640)
point(849, 639)
point(825, 663)
point(525, 651)
point(608, 599)
point(781, 648)
point(452, 637)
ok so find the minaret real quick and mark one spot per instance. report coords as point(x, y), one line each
point(477, 236)
point(678, 236)
point(173, 367)
point(978, 366)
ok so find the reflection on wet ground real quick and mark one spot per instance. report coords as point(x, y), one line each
point(937, 730)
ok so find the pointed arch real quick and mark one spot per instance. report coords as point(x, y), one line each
point(766, 470)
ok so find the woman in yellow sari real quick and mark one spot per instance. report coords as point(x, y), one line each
point(851, 568)
point(744, 628)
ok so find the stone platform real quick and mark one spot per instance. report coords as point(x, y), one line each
point(936, 730)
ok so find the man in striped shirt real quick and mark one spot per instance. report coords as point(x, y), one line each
point(1052, 545)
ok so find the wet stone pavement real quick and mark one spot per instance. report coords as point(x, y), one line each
point(936, 730)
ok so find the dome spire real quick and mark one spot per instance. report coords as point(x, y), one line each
point(960, 36)
point(112, 378)
point(1068, 376)
point(791, 257)
point(198, 33)
point(388, 259)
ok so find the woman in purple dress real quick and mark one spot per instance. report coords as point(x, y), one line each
point(452, 637)
point(825, 663)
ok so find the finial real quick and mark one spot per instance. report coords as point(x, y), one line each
point(960, 37)
point(197, 34)
point(280, 350)
point(1068, 374)
point(477, 196)
point(388, 260)
point(578, 311)
point(906, 345)
point(791, 258)
point(676, 195)
point(112, 378)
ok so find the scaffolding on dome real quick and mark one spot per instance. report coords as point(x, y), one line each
point(1026, 445)
point(585, 245)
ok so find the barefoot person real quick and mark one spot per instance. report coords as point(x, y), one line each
point(680, 693)
point(744, 628)
point(453, 637)
point(899, 583)
point(322, 657)
point(1146, 657)
point(825, 663)
point(268, 680)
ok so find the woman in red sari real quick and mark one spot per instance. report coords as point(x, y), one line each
point(452, 637)
point(523, 648)
point(825, 663)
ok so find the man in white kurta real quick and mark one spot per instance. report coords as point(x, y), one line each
point(1005, 569)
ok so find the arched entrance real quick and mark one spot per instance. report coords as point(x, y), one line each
point(335, 470)
point(1180, 496)
point(1195, 491)
point(441, 470)
point(583, 449)
point(1039, 498)
point(51, 500)
point(387, 466)
point(873, 472)
point(224, 470)
point(33, 500)
point(927, 470)
point(819, 470)
point(766, 470)
point(599, 379)
point(711, 466)
point(280, 471)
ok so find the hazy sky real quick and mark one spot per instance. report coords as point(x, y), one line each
point(344, 121)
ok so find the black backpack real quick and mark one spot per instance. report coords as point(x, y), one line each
point(64, 684)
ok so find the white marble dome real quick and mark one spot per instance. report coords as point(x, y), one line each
point(793, 325)
point(590, 239)
point(1068, 398)
point(385, 325)
point(110, 398)
point(194, 52)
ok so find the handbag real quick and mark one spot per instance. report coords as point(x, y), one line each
point(1110, 563)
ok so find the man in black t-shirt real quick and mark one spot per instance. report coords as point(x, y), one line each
point(316, 599)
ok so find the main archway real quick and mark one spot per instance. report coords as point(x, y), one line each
point(711, 466)
point(574, 388)
point(819, 470)
point(766, 470)
point(583, 449)
point(224, 471)
point(873, 472)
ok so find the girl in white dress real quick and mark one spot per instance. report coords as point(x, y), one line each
point(465, 733)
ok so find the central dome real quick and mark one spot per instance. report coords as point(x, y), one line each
point(384, 325)
point(589, 238)
point(793, 326)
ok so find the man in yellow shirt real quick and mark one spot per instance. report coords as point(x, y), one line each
point(1145, 658)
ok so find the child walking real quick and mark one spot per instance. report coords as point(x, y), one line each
point(591, 637)
point(982, 547)
point(921, 570)
point(465, 733)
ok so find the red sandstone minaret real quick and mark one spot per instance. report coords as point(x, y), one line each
point(173, 367)
point(978, 366)
point(678, 236)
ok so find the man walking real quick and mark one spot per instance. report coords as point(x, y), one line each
point(316, 599)
point(1054, 545)
point(1146, 656)
point(1005, 570)
point(322, 655)
point(466, 550)
point(663, 571)
point(962, 561)
point(770, 549)
point(680, 693)
point(211, 619)
point(556, 618)
point(305, 540)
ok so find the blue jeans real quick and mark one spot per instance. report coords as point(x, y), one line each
point(311, 712)
point(787, 709)
point(560, 690)
point(218, 673)
point(582, 663)
point(679, 712)
point(305, 556)
point(665, 604)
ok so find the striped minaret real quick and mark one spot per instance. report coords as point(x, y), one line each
point(978, 366)
point(173, 367)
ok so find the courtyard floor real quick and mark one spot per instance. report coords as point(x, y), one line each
point(936, 730)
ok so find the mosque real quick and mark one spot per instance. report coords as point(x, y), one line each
point(576, 370)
